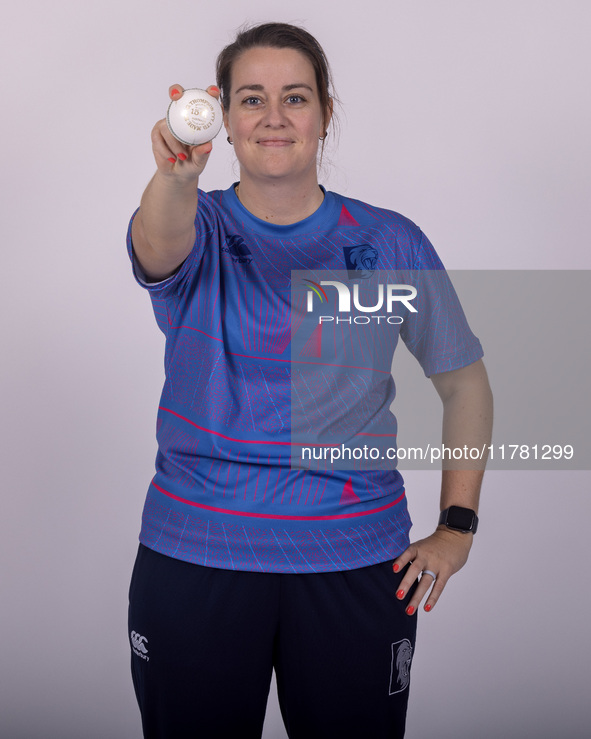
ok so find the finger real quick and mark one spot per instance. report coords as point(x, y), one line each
point(403, 559)
point(176, 147)
point(214, 91)
point(170, 153)
point(418, 594)
point(165, 146)
point(200, 154)
point(435, 593)
point(175, 92)
point(410, 578)
point(424, 584)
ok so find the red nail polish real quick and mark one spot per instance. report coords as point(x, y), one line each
point(410, 610)
point(396, 568)
point(400, 594)
point(172, 160)
point(182, 157)
point(428, 607)
point(175, 92)
point(214, 88)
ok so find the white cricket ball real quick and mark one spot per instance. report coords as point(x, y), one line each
point(195, 118)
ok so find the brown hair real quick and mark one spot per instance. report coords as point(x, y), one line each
point(277, 36)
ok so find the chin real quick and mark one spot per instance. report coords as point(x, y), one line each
point(287, 169)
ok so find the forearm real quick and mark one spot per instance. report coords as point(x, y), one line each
point(461, 488)
point(467, 425)
point(467, 422)
point(163, 231)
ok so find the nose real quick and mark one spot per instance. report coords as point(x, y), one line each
point(275, 116)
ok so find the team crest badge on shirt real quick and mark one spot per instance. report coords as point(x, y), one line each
point(361, 260)
point(400, 672)
point(237, 249)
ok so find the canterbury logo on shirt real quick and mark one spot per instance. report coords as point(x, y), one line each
point(237, 249)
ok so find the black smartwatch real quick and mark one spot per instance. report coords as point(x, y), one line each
point(459, 519)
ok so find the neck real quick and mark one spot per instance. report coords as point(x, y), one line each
point(280, 203)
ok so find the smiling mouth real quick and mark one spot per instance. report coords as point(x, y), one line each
point(275, 142)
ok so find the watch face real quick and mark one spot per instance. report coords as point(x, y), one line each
point(460, 518)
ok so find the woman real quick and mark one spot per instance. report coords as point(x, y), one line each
point(246, 562)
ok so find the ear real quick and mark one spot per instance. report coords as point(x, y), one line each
point(327, 116)
point(226, 121)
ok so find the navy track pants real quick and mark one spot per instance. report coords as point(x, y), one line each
point(205, 641)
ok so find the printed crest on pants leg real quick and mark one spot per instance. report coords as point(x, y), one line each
point(400, 671)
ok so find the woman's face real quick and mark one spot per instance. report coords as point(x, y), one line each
point(275, 117)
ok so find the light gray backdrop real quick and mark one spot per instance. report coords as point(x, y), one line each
point(470, 118)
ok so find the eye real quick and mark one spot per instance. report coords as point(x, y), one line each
point(251, 100)
point(295, 99)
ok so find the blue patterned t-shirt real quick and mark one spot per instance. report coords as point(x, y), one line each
point(226, 492)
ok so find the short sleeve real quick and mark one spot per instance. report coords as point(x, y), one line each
point(438, 334)
point(204, 224)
